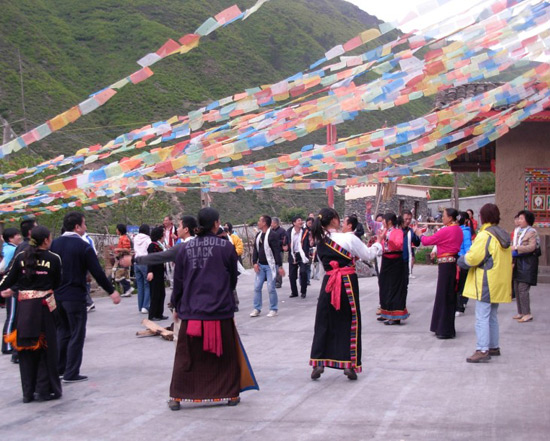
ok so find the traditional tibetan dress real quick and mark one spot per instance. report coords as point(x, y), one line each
point(448, 241)
point(34, 335)
point(337, 337)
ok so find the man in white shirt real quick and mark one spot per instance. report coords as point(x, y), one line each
point(300, 242)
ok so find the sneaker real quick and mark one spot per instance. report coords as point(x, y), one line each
point(494, 352)
point(255, 313)
point(91, 307)
point(272, 313)
point(127, 293)
point(479, 357)
point(412, 277)
point(76, 379)
point(459, 314)
point(144, 311)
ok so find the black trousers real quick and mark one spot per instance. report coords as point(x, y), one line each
point(11, 306)
point(293, 274)
point(39, 368)
point(278, 277)
point(71, 333)
point(158, 295)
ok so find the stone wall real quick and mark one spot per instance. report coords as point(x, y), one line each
point(524, 147)
point(394, 204)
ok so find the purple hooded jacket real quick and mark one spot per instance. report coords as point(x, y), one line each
point(205, 276)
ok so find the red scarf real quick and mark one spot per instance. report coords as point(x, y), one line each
point(212, 340)
point(334, 283)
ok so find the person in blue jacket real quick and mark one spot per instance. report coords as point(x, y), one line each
point(467, 233)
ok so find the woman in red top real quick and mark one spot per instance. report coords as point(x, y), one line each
point(391, 281)
point(448, 240)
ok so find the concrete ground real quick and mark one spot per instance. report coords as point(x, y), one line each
point(413, 386)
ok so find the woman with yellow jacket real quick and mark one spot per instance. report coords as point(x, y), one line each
point(489, 280)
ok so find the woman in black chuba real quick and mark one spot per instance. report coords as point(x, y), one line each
point(155, 276)
point(210, 362)
point(337, 338)
point(37, 272)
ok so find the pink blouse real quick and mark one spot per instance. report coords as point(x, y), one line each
point(393, 242)
point(448, 240)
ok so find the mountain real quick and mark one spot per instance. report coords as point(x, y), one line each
point(70, 49)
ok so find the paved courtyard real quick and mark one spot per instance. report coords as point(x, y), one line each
point(413, 386)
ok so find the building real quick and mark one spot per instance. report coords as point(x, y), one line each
point(521, 163)
point(395, 198)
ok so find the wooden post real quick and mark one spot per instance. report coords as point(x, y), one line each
point(455, 191)
point(331, 140)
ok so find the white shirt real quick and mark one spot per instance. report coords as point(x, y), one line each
point(355, 246)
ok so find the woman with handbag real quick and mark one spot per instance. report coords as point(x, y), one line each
point(525, 253)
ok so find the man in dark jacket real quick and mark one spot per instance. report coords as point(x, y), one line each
point(300, 241)
point(283, 241)
point(267, 262)
point(78, 258)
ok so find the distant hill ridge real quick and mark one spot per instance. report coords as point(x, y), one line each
point(70, 49)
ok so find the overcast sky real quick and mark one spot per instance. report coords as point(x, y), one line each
point(394, 10)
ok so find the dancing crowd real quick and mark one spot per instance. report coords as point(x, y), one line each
point(46, 287)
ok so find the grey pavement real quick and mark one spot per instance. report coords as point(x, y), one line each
point(413, 386)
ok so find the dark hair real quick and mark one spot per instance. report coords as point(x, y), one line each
point(26, 227)
point(189, 222)
point(9, 233)
point(464, 219)
point(295, 218)
point(353, 221)
point(489, 213)
point(206, 218)
point(38, 235)
point(72, 219)
point(469, 209)
point(451, 212)
point(528, 215)
point(229, 226)
point(121, 229)
point(391, 217)
point(322, 221)
point(145, 229)
point(157, 233)
point(379, 215)
point(404, 212)
point(267, 220)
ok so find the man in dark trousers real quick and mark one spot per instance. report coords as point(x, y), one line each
point(267, 262)
point(409, 239)
point(281, 234)
point(299, 241)
point(78, 257)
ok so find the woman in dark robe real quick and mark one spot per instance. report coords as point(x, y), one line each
point(448, 240)
point(155, 276)
point(393, 273)
point(210, 362)
point(337, 338)
point(37, 272)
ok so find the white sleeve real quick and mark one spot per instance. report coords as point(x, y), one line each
point(362, 251)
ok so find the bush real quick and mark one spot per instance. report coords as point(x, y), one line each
point(422, 256)
point(288, 213)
